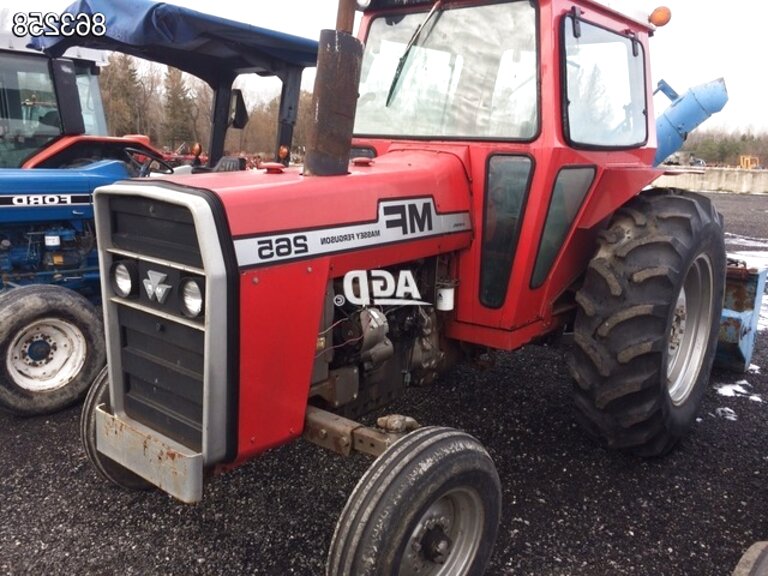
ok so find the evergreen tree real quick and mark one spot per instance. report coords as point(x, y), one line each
point(178, 122)
point(120, 87)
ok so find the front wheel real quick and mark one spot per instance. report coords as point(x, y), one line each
point(107, 468)
point(51, 348)
point(754, 562)
point(428, 506)
point(646, 329)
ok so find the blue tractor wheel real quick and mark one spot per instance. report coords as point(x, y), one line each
point(51, 349)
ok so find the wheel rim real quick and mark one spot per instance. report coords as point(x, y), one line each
point(446, 537)
point(689, 333)
point(48, 354)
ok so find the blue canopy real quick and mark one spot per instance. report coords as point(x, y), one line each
point(205, 46)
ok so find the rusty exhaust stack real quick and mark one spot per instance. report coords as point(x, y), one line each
point(334, 100)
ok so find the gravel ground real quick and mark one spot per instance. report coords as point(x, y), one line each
point(570, 508)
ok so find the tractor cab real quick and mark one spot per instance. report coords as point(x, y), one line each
point(547, 104)
point(43, 99)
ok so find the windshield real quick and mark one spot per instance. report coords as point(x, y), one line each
point(29, 110)
point(471, 73)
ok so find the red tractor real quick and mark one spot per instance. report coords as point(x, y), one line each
point(496, 197)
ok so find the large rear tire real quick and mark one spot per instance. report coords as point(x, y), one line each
point(428, 506)
point(51, 348)
point(646, 328)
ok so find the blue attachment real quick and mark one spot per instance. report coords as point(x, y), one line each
point(685, 114)
point(201, 44)
point(744, 289)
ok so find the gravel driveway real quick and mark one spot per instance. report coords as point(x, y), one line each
point(570, 508)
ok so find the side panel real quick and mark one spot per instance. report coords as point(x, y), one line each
point(280, 309)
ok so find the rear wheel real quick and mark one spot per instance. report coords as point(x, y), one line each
point(51, 348)
point(105, 467)
point(646, 329)
point(428, 506)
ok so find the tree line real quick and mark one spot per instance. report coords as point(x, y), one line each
point(720, 148)
point(174, 108)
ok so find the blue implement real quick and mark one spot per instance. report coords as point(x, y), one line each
point(744, 289)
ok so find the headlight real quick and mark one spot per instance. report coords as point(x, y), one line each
point(192, 297)
point(363, 4)
point(124, 277)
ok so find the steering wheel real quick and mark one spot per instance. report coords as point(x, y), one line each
point(143, 168)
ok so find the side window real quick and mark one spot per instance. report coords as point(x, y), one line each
point(29, 114)
point(506, 191)
point(604, 77)
point(570, 189)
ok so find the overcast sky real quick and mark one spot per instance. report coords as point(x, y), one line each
point(703, 41)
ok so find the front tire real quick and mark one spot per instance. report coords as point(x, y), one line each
point(51, 348)
point(754, 562)
point(107, 468)
point(429, 505)
point(646, 328)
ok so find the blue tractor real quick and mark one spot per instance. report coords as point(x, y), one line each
point(54, 152)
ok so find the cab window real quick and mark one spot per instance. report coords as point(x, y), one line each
point(604, 75)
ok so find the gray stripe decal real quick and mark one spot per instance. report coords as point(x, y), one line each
point(398, 220)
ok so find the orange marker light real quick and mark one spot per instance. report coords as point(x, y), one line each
point(283, 152)
point(660, 16)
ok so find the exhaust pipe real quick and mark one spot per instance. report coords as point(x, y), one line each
point(334, 99)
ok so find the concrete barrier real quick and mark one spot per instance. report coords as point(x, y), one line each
point(719, 180)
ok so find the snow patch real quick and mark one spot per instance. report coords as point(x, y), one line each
point(731, 390)
point(739, 389)
point(753, 369)
point(727, 413)
point(746, 241)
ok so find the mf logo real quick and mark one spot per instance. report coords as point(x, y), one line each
point(380, 288)
point(410, 218)
point(155, 287)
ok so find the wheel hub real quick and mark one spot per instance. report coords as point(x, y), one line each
point(39, 350)
point(678, 329)
point(446, 537)
point(46, 355)
point(436, 545)
point(689, 330)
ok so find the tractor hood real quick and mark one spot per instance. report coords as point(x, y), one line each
point(54, 194)
point(398, 197)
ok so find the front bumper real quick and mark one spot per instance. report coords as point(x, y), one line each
point(170, 466)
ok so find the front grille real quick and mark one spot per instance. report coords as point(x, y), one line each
point(161, 351)
point(171, 370)
point(157, 229)
point(163, 375)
